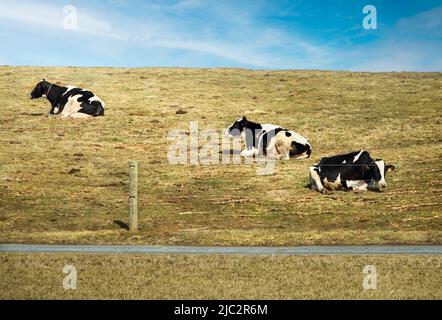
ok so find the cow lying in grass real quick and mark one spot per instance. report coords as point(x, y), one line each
point(270, 140)
point(69, 102)
point(352, 171)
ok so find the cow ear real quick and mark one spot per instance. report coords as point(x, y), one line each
point(390, 167)
point(244, 118)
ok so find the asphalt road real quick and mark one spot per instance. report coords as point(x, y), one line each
point(298, 250)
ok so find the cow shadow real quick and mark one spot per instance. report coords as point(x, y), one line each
point(121, 224)
point(32, 114)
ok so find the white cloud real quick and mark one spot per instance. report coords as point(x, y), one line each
point(416, 56)
point(51, 17)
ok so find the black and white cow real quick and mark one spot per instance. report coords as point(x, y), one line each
point(352, 171)
point(69, 102)
point(270, 140)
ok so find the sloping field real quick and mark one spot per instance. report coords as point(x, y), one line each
point(395, 116)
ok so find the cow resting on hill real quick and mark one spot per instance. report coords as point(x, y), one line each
point(352, 171)
point(69, 102)
point(270, 140)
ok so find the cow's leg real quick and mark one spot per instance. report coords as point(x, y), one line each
point(315, 180)
point(64, 115)
point(72, 106)
point(373, 186)
point(357, 185)
point(249, 152)
point(79, 115)
point(285, 156)
point(283, 150)
point(360, 188)
point(53, 112)
point(272, 151)
point(337, 184)
point(282, 144)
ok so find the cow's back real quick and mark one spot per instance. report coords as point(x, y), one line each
point(350, 166)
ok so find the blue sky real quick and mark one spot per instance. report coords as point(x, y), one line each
point(256, 34)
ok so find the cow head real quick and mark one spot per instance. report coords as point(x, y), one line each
point(237, 127)
point(379, 172)
point(40, 89)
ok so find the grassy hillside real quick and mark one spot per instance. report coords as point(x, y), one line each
point(218, 277)
point(395, 116)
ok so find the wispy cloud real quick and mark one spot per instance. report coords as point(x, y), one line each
point(255, 34)
point(427, 23)
point(398, 56)
point(183, 5)
point(241, 40)
point(51, 16)
point(412, 44)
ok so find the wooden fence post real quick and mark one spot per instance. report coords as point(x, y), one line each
point(133, 196)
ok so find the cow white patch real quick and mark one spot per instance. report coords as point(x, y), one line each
point(357, 156)
point(271, 150)
point(381, 166)
point(338, 179)
point(72, 106)
point(333, 185)
point(269, 127)
point(249, 152)
point(357, 185)
point(94, 98)
point(283, 145)
point(344, 162)
point(315, 180)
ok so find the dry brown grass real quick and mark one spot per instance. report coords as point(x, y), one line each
point(396, 116)
point(218, 277)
